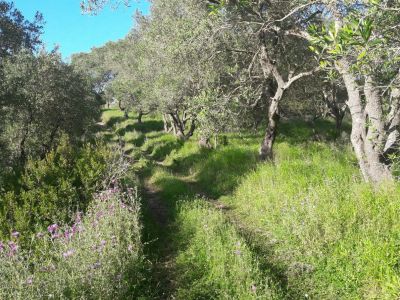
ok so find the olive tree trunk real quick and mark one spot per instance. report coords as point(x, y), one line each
point(179, 124)
point(270, 69)
point(139, 117)
point(368, 134)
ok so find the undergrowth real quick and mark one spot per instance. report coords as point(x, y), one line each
point(98, 257)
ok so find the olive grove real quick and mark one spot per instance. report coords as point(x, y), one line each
point(229, 64)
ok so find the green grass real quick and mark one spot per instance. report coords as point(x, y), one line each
point(214, 261)
point(325, 234)
point(307, 225)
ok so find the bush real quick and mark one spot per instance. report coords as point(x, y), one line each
point(98, 257)
point(50, 190)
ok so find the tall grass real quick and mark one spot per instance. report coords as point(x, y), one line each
point(308, 217)
point(333, 237)
point(303, 227)
point(214, 261)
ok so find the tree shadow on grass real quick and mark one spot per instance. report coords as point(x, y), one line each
point(217, 172)
point(146, 126)
point(114, 120)
point(299, 131)
point(160, 151)
point(220, 173)
point(183, 165)
point(137, 141)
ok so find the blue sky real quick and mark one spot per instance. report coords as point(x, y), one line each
point(75, 32)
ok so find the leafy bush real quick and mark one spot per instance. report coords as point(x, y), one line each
point(50, 190)
point(98, 257)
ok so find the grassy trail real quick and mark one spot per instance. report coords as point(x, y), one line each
point(158, 247)
point(219, 225)
point(196, 252)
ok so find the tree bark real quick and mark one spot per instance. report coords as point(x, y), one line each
point(366, 134)
point(266, 149)
point(180, 126)
point(338, 124)
point(393, 121)
point(167, 128)
point(139, 117)
point(270, 69)
point(204, 142)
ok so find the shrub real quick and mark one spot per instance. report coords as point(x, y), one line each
point(98, 257)
point(50, 190)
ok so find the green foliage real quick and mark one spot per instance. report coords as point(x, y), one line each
point(50, 190)
point(42, 99)
point(98, 257)
point(17, 32)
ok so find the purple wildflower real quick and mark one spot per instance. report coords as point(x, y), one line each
point(1, 246)
point(69, 253)
point(253, 288)
point(102, 245)
point(68, 234)
point(78, 217)
point(95, 223)
point(99, 215)
point(29, 281)
point(130, 248)
point(56, 235)
point(52, 228)
point(76, 228)
point(15, 234)
point(13, 248)
point(237, 252)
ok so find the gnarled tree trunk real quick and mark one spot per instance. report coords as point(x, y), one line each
point(139, 117)
point(180, 127)
point(367, 135)
point(270, 69)
point(266, 149)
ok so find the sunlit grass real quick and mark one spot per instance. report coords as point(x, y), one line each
point(327, 233)
point(215, 262)
point(307, 220)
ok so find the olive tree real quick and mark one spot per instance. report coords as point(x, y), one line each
point(45, 98)
point(283, 58)
point(360, 41)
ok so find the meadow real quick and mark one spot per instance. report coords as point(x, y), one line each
point(172, 220)
point(233, 228)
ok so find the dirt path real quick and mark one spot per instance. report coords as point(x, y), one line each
point(155, 205)
point(160, 248)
